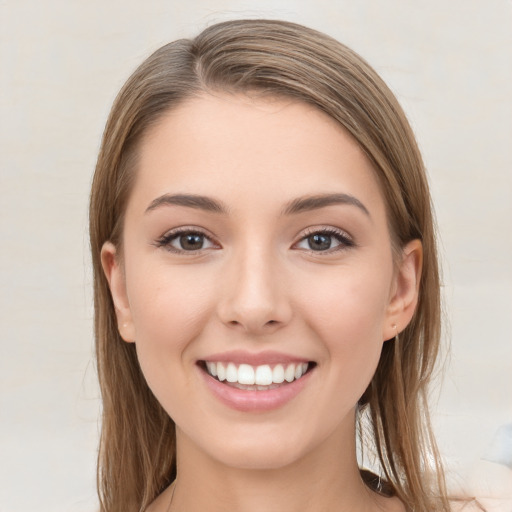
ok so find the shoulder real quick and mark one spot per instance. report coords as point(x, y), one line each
point(503, 504)
point(465, 505)
point(487, 487)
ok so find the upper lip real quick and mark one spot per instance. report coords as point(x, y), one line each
point(254, 359)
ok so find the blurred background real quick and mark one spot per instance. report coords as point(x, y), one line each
point(62, 63)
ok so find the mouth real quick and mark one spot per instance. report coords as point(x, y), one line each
point(264, 377)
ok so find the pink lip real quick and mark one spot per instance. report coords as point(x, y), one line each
point(256, 359)
point(255, 401)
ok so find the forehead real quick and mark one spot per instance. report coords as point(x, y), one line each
point(241, 148)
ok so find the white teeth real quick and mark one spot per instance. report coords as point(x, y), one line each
point(212, 369)
point(263, 376)
point(259, 376)
point(231, 373)
point(221, 372)
point(278, 374)
point(289, 374)
point(245, 374)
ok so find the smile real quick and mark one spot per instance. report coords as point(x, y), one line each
point(255, 383)
point(262, 377)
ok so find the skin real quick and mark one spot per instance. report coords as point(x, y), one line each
point(257, 285)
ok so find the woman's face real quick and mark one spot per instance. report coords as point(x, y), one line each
point(256, 248)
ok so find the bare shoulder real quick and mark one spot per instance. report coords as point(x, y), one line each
point(466, 505)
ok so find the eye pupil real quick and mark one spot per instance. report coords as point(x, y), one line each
point(191, 241)
point(319, 242)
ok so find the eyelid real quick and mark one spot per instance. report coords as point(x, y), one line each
point(345, 239)
point(165, 240)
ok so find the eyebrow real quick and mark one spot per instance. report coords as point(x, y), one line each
point(308, 203)
point(299, 205)
point(189, 200)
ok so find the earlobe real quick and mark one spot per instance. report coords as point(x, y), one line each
point(115, 276)
point(405, 293)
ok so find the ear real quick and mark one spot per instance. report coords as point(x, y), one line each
point(115, 276)
point(405, 290)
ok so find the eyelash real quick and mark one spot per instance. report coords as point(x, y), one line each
point(345, 241)
point(166, 240)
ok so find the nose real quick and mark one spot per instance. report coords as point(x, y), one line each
point(254, 298)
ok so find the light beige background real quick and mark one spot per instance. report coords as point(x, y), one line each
point(61, 64)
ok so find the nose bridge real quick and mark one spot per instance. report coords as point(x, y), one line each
point(254, 297)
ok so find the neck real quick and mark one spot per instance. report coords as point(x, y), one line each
point(326, 478)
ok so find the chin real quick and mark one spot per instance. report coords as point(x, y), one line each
point(261, 456)
point(264, 446)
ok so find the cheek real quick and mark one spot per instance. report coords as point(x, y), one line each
point(166, 300)
point(347, 303)
point(347, 313)
point(169, 310)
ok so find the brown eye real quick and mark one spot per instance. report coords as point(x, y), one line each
point(319, 242)
point(190, 241)
point(182, 241)
point(325, 240)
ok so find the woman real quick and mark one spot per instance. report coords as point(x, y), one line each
point(266, 282)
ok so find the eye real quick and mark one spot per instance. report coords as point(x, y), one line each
point(325, 240)
point(186, 240)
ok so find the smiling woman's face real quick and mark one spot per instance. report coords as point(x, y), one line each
point(256, 250)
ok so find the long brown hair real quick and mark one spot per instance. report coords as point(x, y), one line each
point(137, 449)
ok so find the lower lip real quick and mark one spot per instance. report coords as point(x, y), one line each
point(255, 401)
